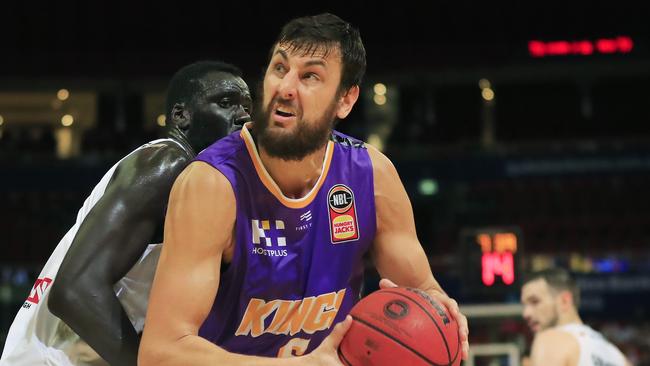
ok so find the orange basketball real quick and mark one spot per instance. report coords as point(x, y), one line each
point(400, 326)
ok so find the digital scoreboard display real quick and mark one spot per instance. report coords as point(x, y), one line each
point(583, 47)
point(491, 259)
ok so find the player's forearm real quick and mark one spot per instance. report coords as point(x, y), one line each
point(194, 350)
point(97, 316)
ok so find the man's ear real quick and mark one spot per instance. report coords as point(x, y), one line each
point(180, 116)
point(566, 299)
point(346, 102)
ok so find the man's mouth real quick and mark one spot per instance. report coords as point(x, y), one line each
point(284, 112)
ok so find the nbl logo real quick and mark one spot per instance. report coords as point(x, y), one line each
point(263, 234)
point(342, 210)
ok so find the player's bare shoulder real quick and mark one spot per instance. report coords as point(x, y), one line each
point(202, 177)
point(168, 156)
point(157, 163)
point(387, 183)
point(143, 179)
point(385, 177)
point(382, 167)
point(556, 344)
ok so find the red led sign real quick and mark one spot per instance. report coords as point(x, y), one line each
point(498, 257)
point(621, 45)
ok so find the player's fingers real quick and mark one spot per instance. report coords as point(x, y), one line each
point(335, 338)
point(464, 327)
point(465, 354)
point(451, 305)
point(454, 310)
point(386, 283)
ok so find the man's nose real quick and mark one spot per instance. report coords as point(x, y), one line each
point(288, 86)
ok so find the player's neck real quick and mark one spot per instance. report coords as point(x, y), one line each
point(570, 317)
point(176, 135)
point(294, 178)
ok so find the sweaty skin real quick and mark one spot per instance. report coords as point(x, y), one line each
point(131, 213)
point(198, 235)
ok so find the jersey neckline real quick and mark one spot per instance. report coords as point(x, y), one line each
point(270, 184)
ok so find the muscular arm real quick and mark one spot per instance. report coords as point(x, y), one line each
point(198, 229)
point(111, 239)
point(397, 252)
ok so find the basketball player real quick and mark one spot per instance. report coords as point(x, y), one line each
point(551, 299)
point(122, 216)
point(291, 206)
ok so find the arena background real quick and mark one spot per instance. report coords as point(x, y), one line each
point(520, 131)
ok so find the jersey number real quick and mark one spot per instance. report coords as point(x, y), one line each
point(295, 347)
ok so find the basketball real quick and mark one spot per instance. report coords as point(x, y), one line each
point(400, 326)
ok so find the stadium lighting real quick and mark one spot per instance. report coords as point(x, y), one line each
point(62, 94)
point(67, 120)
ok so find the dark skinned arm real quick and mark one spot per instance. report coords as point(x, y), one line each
point(109, 242)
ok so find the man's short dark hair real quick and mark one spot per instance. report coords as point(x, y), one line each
point(558, 279)
point(184, 85)
point(326, 32)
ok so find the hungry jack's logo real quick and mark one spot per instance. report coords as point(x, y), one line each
point(343, 214)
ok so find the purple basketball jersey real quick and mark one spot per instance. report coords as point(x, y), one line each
point(297, 267)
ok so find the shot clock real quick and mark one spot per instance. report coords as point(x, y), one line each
point(491, 259)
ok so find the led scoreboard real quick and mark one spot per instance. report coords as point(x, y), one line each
point(491, 259)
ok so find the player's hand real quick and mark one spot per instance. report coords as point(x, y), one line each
point(451, 305)
point(326, 354)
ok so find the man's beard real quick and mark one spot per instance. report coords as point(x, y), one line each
point(552, 322)
point(306, 137)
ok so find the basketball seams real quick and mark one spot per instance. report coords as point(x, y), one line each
point(442, 335)
point(396, 340)
point(342, 356)
point(458, 346)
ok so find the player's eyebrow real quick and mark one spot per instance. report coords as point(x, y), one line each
point(316, 62)
point(282, 53)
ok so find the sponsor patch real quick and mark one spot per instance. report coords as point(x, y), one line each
point(343, 214)
point(38, 292)
point(268, 238)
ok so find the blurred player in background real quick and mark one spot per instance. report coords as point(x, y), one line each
point(551, 299)
point(77, 300)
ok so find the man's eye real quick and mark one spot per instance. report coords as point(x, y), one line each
point(311, 76)
point(279, 68)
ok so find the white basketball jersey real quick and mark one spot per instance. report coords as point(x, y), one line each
point(37, 337)
point(595, 350)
